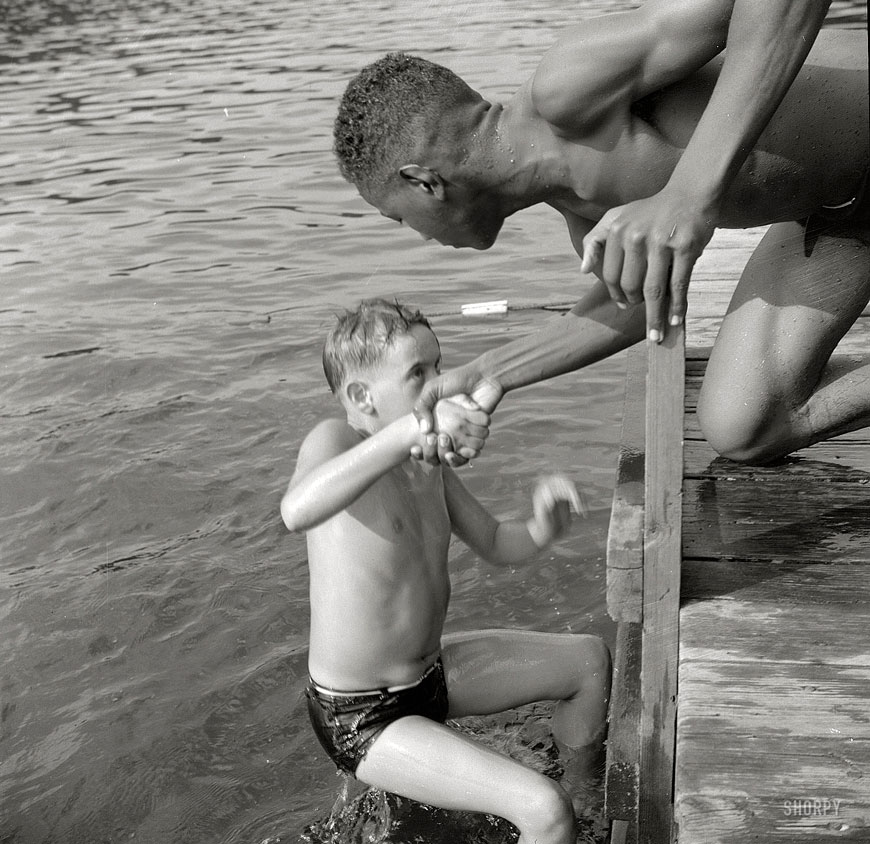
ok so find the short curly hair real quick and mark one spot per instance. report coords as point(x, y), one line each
point(361, 336)
point(387, 107)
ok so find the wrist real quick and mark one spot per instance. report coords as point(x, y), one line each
point(490, 367)
point(404, 433)
point(691, 191)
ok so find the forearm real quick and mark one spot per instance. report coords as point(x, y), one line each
point(337, 483)
point(767, 44)
point(595, 329)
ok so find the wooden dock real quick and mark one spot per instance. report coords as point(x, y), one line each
point(741, 707)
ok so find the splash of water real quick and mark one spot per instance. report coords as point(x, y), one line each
point(369, 816)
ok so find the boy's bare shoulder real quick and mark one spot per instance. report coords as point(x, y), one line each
point(326, 439)
point(332, 428)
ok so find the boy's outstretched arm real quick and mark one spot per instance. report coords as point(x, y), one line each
point(503, 542)
point(335, 466)
point(664, 235)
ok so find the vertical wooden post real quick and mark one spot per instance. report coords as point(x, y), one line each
point(625, 534)
point(661, 584)
point(625, 605)
point(622, 777)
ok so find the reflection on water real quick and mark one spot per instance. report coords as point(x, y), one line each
point(174, 239)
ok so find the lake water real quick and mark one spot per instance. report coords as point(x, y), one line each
point(174, 239)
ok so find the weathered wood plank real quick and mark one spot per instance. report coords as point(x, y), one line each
point(750, 630)
point(721, 262)
point(774, 701)
point(780, 581)
point(625, 533)
point(661, 583)
point(623, 740)
point(784, 812)
point(760, 736)
point(705, 330)
point(821, 701)
point(737, 750)
point(776, 517)
point(771, 766)
point(845, 458)
point(697, 356)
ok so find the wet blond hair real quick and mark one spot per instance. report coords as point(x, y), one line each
point(360, 337)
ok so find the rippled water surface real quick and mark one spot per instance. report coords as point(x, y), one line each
point(174, 239)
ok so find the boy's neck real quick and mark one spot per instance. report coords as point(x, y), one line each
point(365, 425)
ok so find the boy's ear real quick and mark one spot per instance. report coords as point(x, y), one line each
point(428, 180)
point(359, 396)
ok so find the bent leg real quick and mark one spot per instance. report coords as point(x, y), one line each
point(493, 670)
point(432, 763)
point(770, 387)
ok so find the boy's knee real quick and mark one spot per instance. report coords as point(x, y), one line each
point(594, 660)
point(598, 659)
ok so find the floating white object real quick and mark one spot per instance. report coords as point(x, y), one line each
point(499, 306)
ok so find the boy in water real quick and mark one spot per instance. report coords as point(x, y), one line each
point(378, 523)
point(604, 121)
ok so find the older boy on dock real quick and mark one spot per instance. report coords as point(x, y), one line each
point(604, 121)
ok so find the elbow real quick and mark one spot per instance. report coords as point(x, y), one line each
point(292, 517)
point(497, 560)
point(492, 555)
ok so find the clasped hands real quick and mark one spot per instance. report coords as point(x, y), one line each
point(454, 415)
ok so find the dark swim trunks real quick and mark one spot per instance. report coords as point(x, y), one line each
point(854, 214)
point(347, 723)
point(857, 209)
